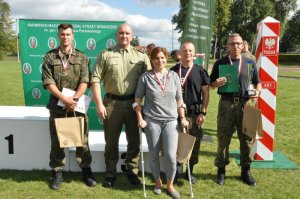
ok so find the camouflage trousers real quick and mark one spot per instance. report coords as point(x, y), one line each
point(230, 119)
point(57, 154)
point(197, 132)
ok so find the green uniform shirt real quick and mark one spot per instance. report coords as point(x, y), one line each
point(120, 69)
point(53, 73)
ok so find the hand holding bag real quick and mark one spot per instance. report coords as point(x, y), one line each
point(185, 146)
point(70, 131)
point(252, 122)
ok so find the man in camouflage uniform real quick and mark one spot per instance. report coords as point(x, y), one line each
point(230, 111)
point(66, 67)
point(119, 68)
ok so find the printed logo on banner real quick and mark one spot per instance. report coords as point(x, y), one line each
point(27, 68)
point(91, 44)
point(110, 43)
point(33, 42)
point(36, 93)
point(269, 46)
point(41, 68)
point(52, 43)
point(74, 43)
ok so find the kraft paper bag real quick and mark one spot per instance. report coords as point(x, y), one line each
point(252, 122)
point(185, 147)
point(70, 131)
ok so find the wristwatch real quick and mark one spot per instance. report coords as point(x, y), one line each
point(203, 113)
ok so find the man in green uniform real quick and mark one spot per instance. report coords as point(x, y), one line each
point(119, 68)
point(66, 67)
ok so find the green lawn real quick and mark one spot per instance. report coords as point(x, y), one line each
point(272, 183)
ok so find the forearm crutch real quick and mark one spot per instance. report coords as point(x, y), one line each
point(142, 161)
point(189, 173)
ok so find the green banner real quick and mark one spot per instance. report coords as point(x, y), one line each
point(198, 27)
point(39, 36)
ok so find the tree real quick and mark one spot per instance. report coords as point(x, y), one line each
point(290, 41)
point(282, 10)
point(179, 19)
point(7, 36)
point(221, 22)
point(246, 14)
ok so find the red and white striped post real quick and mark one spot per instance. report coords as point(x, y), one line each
point(267, 48)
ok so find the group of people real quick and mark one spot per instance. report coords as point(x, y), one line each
point(141, 92)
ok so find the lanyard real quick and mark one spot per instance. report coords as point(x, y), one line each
point(162, 86)
point(182, 82)
point(64, 63)
point(240, 63)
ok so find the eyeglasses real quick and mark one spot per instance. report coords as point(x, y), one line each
point(235, 43)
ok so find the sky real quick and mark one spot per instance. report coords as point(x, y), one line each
point(150, 19)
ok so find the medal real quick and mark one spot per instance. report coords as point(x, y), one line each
point(162, 85)
point(64, 61)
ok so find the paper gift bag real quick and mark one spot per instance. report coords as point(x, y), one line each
point(185, 147)
point(70, 131)
point(252, 122)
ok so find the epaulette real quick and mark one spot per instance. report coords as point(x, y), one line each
point(139, 50)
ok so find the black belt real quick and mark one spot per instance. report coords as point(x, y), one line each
point(118, 97)
point(234, 100)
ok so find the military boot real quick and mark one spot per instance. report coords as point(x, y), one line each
point(221, 175)
point(247, 177)
point(87, 177)
point(56, 179)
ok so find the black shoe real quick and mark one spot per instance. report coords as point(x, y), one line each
point(109, 182)
point(87, 177)
point(247, 178)
point(134, 180)
point(221, 175)
point(193, 178)
point(90, 182)
point(56, 179)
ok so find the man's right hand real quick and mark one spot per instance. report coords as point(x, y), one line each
point(101, 111)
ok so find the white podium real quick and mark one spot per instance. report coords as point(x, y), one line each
point(25, 142)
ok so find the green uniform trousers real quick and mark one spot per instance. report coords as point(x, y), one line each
point(197, 132)
point(120, 113)
point(57, 154)
point(230, 119)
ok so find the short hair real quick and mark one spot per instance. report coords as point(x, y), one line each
point(157, 50)
point(174, 52)
point(65, 26)
point(151, 46)
point(234, 35)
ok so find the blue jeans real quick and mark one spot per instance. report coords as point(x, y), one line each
point(164, 132)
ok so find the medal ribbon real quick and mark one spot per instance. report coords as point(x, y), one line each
point(182, 82)
point(162, 86)
point(64, 63)
point(240, 63)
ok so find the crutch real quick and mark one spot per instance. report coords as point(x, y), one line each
point(189, 172)
point(142, 161)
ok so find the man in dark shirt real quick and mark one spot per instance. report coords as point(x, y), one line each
point(195, 85)
point(232, 101)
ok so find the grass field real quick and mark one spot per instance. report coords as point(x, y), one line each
point(272, 183)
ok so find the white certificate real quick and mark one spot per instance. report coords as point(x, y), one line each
point(82, 104)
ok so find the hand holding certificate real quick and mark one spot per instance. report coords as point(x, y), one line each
point(230, 72)
point(83, 101)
